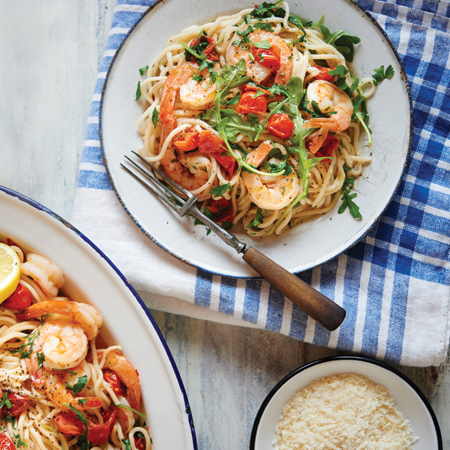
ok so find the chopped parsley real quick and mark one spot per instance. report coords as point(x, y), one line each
point(5, 401)
point(79, 385)
point(19, 442)
point(143, 70)
point(219, 191)
point(257, 220)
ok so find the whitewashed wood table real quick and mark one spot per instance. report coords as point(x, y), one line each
point(50, 53)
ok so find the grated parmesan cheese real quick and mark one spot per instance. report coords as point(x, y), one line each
point(343, 412)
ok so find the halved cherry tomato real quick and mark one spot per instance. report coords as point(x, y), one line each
point(6, 443)
point(329, 146)
point(323, 74)
point(213, 145)
point(117, 386)
point(280, 125)
point(68, 423)
point(18, 404)
point(267, 57)
point(187, 140)
point(248, 103)
point(99, 434)
point(19, 299)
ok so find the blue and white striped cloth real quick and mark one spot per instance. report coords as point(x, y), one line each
point(394, 283)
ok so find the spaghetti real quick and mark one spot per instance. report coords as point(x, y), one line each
point(57, 389)
point(258, 115)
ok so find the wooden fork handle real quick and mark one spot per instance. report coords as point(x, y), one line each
point(320, 308)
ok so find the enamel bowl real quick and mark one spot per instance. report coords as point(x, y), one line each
point(408, 397)
point(91, 276)
point(307, 245)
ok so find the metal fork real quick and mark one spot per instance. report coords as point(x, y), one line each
point(312, 302)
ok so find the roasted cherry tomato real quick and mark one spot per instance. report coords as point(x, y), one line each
point(209, 48)
point(20, 298)
point(18, 404)
point(249, 103)
point(117, 386)
point(6, 443)
point(221, 210)
point(99, 434)
point(267, 57)
point(280, 125)
point(329, 146)
point(187, 140)
point(213, 145)
point(323, 74)
point(68, 423)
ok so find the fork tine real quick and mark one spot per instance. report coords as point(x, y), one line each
point(165, 192)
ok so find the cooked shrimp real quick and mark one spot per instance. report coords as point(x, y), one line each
point(46, 273)
point(63, 344)
point(330, 98)
point(86, 316)
point(127, 375)
point(257, 71)
point(269, 192)
point(59, 394)
point(190, 172)
point(193, 94)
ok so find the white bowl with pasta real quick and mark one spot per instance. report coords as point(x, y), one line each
point(293, 240)
point(383, 396)
point(91, 278)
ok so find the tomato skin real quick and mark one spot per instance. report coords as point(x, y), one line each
point(212, 144)
point(280, 125)
point(187, 140)
point(248, 103)
point(117, 386)
point(68, 423)
point(6, 443)
point(328, 147)
point(19, 299)
point(323, 74)
point(267, 57)
point(19, 403)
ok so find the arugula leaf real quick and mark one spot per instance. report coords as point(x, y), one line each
point(127, 444)
point(340, 71)
point(155, 117)
point(262, 44)
point(40, 358)
point(138, 91)
point(341, 41)
point(5, 401)
point(26, 348)
point(257, 220)
point(20, 443)
point(143, 70)
point(232, 124)
point(79, 385)
point(347, 199)
point(219, 191)
point(381, 74)
point(10, 419)
point(119, 405)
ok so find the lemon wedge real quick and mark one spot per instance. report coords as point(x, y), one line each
point(9, 271)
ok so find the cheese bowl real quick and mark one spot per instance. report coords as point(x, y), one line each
point(407, 396)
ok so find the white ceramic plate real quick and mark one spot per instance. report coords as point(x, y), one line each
point(408, 397)
point(306, 245)
point(127, 321)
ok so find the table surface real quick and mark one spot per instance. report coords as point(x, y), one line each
point(51, 52)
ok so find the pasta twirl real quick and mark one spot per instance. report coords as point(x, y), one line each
point(57, 389)
point(258, 115)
